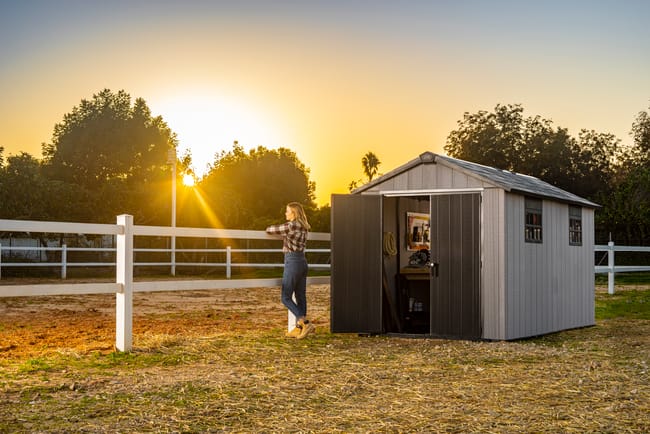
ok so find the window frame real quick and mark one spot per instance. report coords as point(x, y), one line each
point(533, 220)
point(575, 225)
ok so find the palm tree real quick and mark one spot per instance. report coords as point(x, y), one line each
point(370, 164)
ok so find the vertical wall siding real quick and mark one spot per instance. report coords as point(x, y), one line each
point(493, 264)
point(549, 286)
point(429, 176)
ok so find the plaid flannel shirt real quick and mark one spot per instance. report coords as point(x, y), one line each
point(294, 235)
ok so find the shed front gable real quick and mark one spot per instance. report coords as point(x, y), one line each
point(429, 176)
point(431, 171)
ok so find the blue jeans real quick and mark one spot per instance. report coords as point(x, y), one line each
point(294, 283)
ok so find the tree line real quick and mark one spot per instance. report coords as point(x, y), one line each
point(593, 165)
point(110, 156)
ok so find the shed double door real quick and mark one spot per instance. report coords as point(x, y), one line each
point(356, 282)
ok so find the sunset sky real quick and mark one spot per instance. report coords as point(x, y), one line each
point(330, 80)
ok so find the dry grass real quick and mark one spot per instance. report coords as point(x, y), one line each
point(251, 379)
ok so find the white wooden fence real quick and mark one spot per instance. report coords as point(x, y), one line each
point(611, 269)
point(124, 285)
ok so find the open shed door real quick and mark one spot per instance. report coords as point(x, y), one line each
point(356, 276)
point(455, 252)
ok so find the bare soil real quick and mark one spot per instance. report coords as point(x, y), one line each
point(35, 326)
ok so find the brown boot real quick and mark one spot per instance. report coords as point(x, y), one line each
point(307, 329)
point(295, 332)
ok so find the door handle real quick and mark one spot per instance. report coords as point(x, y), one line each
point(435, 266)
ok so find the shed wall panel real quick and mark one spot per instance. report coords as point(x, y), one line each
point(429, 176)
point(549, 285)
point(415, 176)
point(401, 182)
point(493, 264)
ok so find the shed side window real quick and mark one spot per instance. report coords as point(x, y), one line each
point(575, 225)
point(533, 227)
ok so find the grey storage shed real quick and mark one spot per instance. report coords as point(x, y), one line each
point(444, 247)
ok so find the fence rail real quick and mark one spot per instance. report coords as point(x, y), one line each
point(64, 263)
point(611, 268)
point(124, 286)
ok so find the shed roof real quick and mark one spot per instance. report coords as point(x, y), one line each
point(509, 181)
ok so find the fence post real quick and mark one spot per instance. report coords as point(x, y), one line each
point(173, 255)
point(228, 261)
point(610, 264)
point(0, 260)
point(291, 318)
point(124, 277)
point(64, 261)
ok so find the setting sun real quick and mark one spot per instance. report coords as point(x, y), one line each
point(188, 180)
point(208, 122)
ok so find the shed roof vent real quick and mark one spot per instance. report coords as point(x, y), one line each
point(428, 158)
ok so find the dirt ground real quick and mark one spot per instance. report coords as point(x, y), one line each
point(35, 326)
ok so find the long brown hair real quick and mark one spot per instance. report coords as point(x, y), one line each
point(300, 214)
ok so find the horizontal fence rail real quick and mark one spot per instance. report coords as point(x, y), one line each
point(157, 231)
point(64, 264)
point(124, 263)
point(611, 268)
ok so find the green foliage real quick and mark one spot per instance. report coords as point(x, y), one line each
point(21, 187)
point(533, 146)
point(370, 163)
point(640, 154)
point(491, 139)
point(595, 157)
point(35, 365)
point(629, 304)
point(249, 190)
point(320, 219)
point(594, 165)
point(626, 210)
point(105, 139)
point(114, 155)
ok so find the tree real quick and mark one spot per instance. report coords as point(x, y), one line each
point(594, 158)
point(26, 194)
point(640, 154)
point(492, 139)
point(370, 164)
point(320, 219)
point(545, 152)
point(626, 200)
point(532, 145)
point(249, 190)
point(118, 153)
point(626, 210)
point(353, 185)
point(21, 188)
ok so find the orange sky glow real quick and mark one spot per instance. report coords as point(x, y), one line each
point(328, 80)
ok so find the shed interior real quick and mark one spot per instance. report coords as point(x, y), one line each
point(430, 265)
point(406, 295)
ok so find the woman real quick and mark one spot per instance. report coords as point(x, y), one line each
point(294, 278)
